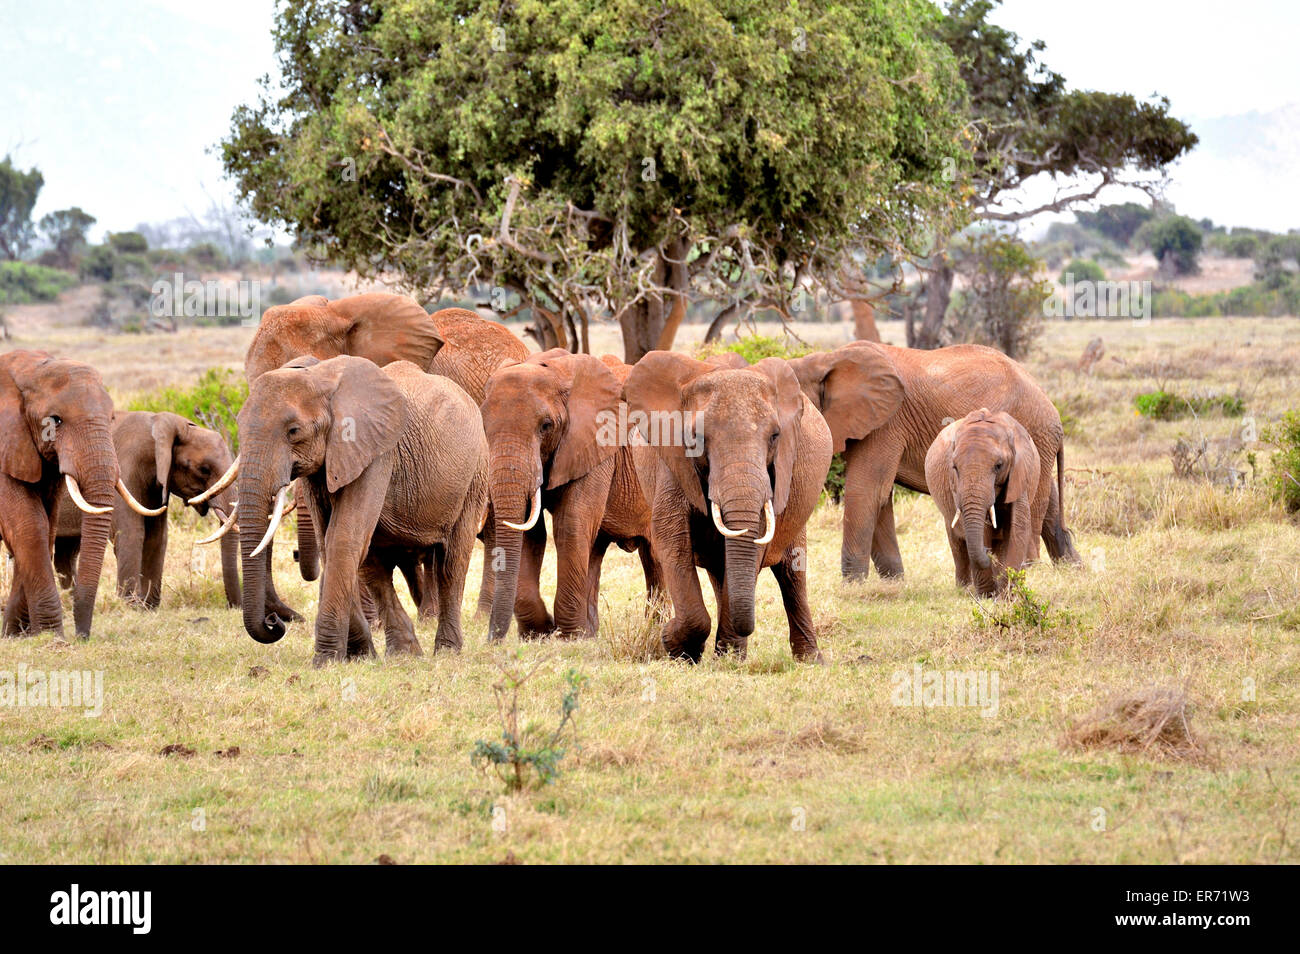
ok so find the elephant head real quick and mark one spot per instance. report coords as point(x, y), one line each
point(188, 459)
point(993, 465)
point(56, 418)
point(317, 419)
point(741, 429)
point(856, 388)
point(545, 422)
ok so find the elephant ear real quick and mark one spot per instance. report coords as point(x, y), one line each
point(19, 456)
point(368, 413)
point(789, 411)
point(385, 328)
point(1022, 477)
point(166, 430)
point(857, 389)
point(657, 383)
point(593, 397)
point(727, 359)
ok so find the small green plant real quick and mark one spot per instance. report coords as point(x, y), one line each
point(1020, 609)
point(1164, 405)
point(531, 755)
point(754, 348)
point(1285, 472)
point(214, 402)
point(833, 489)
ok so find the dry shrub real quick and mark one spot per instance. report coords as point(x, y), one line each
point(1204, 506)
point(1153, 720)
point(634, 631)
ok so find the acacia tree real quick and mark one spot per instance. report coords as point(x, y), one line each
point(66, 230)
point(607, 158)
point(18, 192)
point(1026, 124)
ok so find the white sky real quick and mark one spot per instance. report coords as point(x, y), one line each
point(117, 102)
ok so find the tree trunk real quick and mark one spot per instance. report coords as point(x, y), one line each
point(864, 321)
point(938, 292)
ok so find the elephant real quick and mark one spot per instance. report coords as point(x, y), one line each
point(453, 342)
point(885, 405)
point(56, 419)
point(395, 463)
point(983, 471)
point(159, 455)
point(733, 461)
point(551, 428)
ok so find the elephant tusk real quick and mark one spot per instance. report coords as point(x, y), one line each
point(225, 481)
point(533, 514)
point(955, 517)
point(135, 505)
point(276, 516)
point(722, 527)
point(222, 530)
point(993, 516)
point(769, 520)
point(75, 493)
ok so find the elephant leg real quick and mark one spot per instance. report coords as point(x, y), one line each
point(576, 521)
point(128, 547)
point(670, 536)
point(412, 571)
point(594, 563)
point(34, 605)
point(1059, 540)
point(869, 469)
point(341, 627)
point(960, 559)
point(451, 567)
point(884, 542)
point(487, 588)
point(427, 575)
point(653, 573)
point(792, 577)
point(727, 640)
point(65, 560)
point(530, 609)
point(399, 632)
point(152, 561)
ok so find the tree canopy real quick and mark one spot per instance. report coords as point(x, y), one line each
point(18, 192)
point(607, 157)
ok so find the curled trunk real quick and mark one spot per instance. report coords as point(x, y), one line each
point(254, 507)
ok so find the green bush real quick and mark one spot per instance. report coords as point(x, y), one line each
point(21, 282)
point(214, 402)
point(754, 348)
point(1166, 406)
point(99, 263)
point(1176, 242)
point(1082, 270)
point(1285, 476)
point(128, 242)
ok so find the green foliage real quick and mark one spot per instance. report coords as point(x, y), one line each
point(18, 192)
point(1166, 406)
point(1176, 241)
point(754, 348)
point(833, 489)
point(214, 402)
point(22, 282)
point(1004, 300)
point(531, 755)
point(128, 242)
point(1241, 243)
point(1082, 270)
point(1285, 464)
point(1021, 609)
point(1277, 262)
point(1119, 223)
point(610, 129)
point(1254, 300)
point(99, 264)
point(66, 230)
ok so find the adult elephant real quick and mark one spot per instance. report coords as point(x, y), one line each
point(383, 328)
point(395, 462)
point(731, 494)
point(885, 406)
point(55, 421)
point(159, 455)
point(551, 423)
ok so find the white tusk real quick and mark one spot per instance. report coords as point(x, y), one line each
point(994, 517)
point(135, 505)
point(226, 480)
point(955, 517)
point(533, 514)
point(75, 493)
point(276, 516)
point(769, 519)
point(222, 530)
point(722, 527)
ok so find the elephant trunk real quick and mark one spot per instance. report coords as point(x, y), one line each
point(308, 553)
point(975, 503)
point(512, 482)
point(742, 509)
point(94, 467)
point(255, 495)
point(230, 556)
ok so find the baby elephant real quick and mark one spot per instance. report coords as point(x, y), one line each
point(983, 469)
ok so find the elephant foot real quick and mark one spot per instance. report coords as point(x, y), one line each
point(320, 660)
point(731, 646)
point(447, 644)
point(283, 610)
point(682, 641)
point(403, 647)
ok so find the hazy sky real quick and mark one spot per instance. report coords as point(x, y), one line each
point(117, 101)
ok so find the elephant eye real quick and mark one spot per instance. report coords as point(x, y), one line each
point(294, 431)
point(55, 420)
point(547, 424)
point(772, 440)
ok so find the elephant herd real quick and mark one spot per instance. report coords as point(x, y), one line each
point(399, 437)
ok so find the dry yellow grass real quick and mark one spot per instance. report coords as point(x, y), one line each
point(760, 760)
